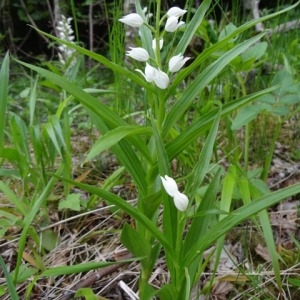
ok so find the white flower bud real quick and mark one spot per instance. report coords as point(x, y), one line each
point(181, 201)
point(176, 12)
point(138, 53)
point(133, 20)
point(161, 79)
point(172, 24)
point(177, 62)
point(170, 185)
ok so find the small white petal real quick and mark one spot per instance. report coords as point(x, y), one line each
point(133, 20)
point(149, 73)
point(181, 201)
point(170, 185)
point(138, 53)
point(177, 62)
point(161, 43)
point(176, 12)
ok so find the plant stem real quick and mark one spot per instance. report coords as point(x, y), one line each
point(269, 157)
point(157, 33)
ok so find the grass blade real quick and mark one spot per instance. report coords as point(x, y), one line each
point(4, 78)
point(236, 217)
point(9, 281)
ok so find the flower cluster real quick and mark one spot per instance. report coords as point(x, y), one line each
point(65, 32)
point(151, 73)
point(181, 201)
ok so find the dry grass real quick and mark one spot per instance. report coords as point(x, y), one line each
point(94, 235)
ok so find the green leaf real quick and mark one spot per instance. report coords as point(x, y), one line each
point(103, 60)
point(294, 282)
point(255, 52)
point(268, 99)
point(9, 281)
point(202, 81)
point(4, 79)
point(49, 239)
point(83, 267)
point(192, 27)
point(286, 82)
point(237, 216)
point(228, 30)
point(202, 165)
point(24, 273)
point(12, 197)
point(201, 125)
point(129, 209)
point(246, 115)
point(136, 244)
point(105, 120)
point(72, 202)
point(87, 293)
point(200, 225)
point(268, 236)
point(32, 101)
point(170, 211)
point(289, 99)
point(29, 217)
point(112, 137)
point(280, 110)
point(167, 292)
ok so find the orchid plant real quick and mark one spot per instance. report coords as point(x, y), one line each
point(178, 225)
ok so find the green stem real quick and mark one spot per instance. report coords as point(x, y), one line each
point(179, 269)
point(246, 146)
point(247, 127)
point(157, 33)
point(269, 157)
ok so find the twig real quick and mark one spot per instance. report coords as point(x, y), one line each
point(31, 20)
point(284, 27)
point(91, 279)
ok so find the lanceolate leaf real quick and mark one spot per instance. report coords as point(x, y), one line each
point(192, 27)
point(130, 210)
point(114, 136)
point(111, 120)
point(202, 81)
point(4, 75)
point(235, 218)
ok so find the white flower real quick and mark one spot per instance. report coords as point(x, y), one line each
point(176, 12)
point(172, 24)
point(133, 20)
point(177, 62)
point(149, 73)
point(181, 201)
point(161, 79)
point(138, 53)
point(161, 43)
